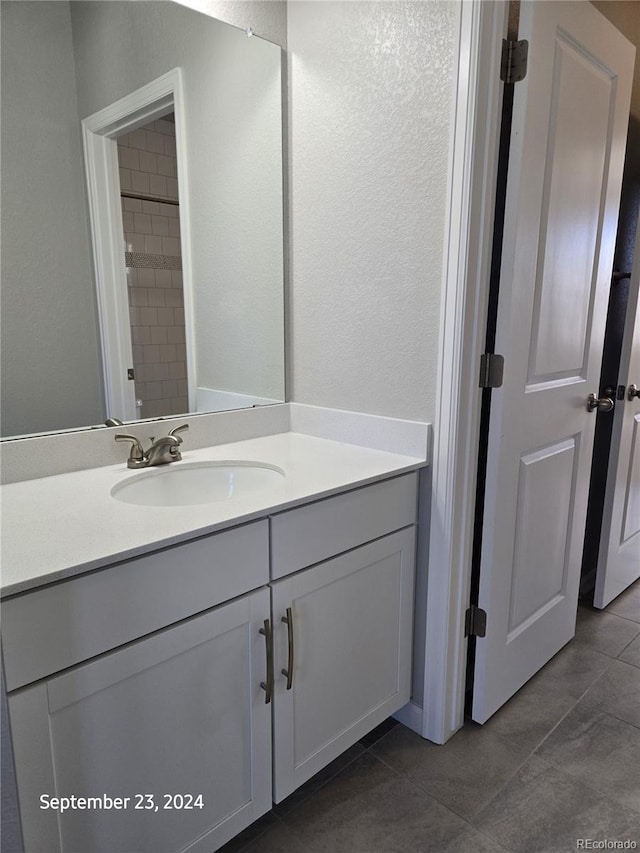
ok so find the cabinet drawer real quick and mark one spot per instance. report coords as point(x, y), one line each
point(309, 534)
point(63, 624)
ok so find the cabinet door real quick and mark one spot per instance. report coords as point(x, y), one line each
point(352, 624)
point(180, 712)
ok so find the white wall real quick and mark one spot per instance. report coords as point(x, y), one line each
point(51, 376)
point(370, 95)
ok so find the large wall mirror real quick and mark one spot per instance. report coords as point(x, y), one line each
point(142, 250)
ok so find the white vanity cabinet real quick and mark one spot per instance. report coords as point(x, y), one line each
point(348, 631)
point(172, 683)
point(174, 725)
point(178, 714)
point(343, 627)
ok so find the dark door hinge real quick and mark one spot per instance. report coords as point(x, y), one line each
point(491, 370)
point(513, 65)
point(475, 622)
point(131, 374)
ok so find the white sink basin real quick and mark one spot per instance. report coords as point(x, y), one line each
point(190, 483)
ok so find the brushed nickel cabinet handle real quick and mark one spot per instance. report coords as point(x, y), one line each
point(268, 686)
point(288, 672)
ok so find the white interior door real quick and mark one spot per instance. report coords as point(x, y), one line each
point(565, 169)
point(619, 555)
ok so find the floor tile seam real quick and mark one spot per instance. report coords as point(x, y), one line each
point(631, 641)
point(415, 784)
point(579, 642)
point(400, 775)
point(629, 663)
point(585, 645)
point(449, 806)
point(587, 784)
point(615, 716)
point(573, 706)
point(486, 805)
point(620, 616)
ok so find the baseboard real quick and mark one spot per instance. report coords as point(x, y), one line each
point(410, 715)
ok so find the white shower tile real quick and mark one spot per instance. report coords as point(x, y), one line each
point(139, 182)
point(128, 158)
point(166, 166)
point(160, 225)
point(133, 204)
point(148, 162)
point(137, 139)
point(142, 223)
point(170, 246)
point(163, 279)
point(172, 188)
point(155, 142)
point(158, 184)
point(153, 245)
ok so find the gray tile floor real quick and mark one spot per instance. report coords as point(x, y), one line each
point(558, 763)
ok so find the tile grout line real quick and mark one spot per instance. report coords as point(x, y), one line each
point(446, 805)
point(587, 784)
point(575, 704)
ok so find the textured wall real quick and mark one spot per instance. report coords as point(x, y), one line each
point(370, 93)
point(51, 376)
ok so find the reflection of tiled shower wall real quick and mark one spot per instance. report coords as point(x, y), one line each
point(154, 268)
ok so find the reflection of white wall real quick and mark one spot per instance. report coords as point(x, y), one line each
point(233, 150)
point(51, 376)
point(267, 19)
point(370, 89)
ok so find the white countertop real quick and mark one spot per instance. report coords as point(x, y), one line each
point(60, 526)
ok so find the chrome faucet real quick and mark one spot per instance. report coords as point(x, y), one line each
point(162, 450)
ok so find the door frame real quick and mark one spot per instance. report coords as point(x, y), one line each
point(473, 160)
point(105, 215)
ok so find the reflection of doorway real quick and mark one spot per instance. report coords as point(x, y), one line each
point(134, 118)
point(151, 222)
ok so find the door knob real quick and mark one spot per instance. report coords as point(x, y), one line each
point(602, 404)
point(633, 391)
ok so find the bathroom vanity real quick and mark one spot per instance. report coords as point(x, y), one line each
point(212, 658)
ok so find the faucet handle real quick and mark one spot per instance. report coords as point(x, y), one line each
point(137, 452)
point(181, 428)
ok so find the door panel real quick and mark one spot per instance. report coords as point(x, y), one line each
point(577, 146)
point(565, 168)
point(540, 564)
point(619, 555)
